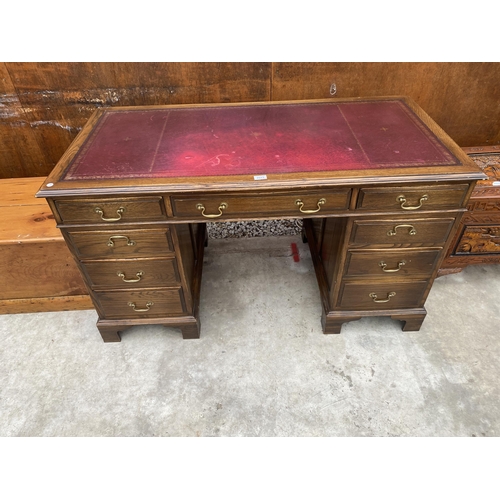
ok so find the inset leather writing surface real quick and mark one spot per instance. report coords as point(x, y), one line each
point(391, 136)
point(254, 140)
point(257, 140)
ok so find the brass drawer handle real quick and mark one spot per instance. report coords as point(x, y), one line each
point(201, 207)
point(381, 301)
point(300, 204)
point(148, 307)
point(119, 212)
point(383, 265)
point(392, 232)
point(401, 199)
point(133, 280)
point(111, 242)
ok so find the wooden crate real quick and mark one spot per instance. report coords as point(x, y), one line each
point(37, 271)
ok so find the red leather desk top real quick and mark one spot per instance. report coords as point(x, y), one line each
point(256, 140)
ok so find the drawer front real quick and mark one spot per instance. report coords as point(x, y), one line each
point(133, 273)
point(111, 210)
point(479, 240)
point(413, 199)
point(125, 243)
point(381, 296)
point(401, 232)
point(389, 264)
point(298, 204)
point(141, 303)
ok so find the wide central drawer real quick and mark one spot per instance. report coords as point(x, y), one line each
point(111, 210)
point(132, 273)
point(121, 244)
point(223, 206)
point(141, 303)
point(401, 232)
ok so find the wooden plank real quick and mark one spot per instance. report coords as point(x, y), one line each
point(464, 98)
point(24, 219)
point(28, 223)
point(29, 270)
point(46, 304)
point(20, 191)
point(35, 262)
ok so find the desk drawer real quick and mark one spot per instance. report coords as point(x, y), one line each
point(136, 273)
point(141, 303)
point(111, 210)
point(390, 264)
point(413, 199)
point(377, 296)
point(401, 232)
point(124, 243)
point(222, 206)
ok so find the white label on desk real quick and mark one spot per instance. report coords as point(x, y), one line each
point(259, 177)
point(496, 183)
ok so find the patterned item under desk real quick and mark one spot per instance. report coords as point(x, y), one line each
point(252, 229)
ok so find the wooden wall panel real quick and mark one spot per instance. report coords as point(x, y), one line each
point(56, 99)
point(44, 105)
point(20, 154)
point(463, 98)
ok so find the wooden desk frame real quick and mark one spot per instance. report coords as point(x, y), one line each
point(377, 237)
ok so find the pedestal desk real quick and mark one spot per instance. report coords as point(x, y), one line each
point(380, 187)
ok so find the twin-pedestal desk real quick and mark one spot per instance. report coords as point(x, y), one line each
point(380, 187)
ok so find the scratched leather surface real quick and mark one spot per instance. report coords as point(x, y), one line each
point(256, 140)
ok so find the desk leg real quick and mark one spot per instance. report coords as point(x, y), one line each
point(412, 323)
point(109, 333)
point(334, 325)
point(191, 331)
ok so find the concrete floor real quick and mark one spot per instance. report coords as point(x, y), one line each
point(262, 366)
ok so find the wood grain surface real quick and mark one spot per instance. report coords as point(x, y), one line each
point(37, 271)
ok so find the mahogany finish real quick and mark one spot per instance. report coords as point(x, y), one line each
point(397, 231)
point(385, 264)
point(106, 210)
point(128, 273)
point(254, 204)
point(430, 197)
point(377, 296)
point(153, 303)
point(125, 243)
point(378, 216)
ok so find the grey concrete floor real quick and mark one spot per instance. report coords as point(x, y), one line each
point(262, 366)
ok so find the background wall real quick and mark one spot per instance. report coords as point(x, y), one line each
point(44, 105)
